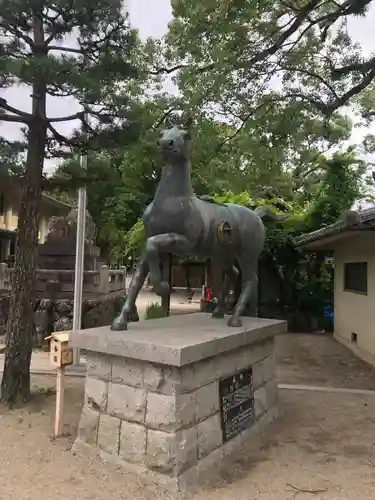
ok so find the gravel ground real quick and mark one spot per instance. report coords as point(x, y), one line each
point(320, 360)
point(323, 447)
point(324, 443)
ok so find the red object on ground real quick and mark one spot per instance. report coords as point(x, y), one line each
point(208, 296)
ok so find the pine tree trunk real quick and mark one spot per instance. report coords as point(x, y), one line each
point(15, 386)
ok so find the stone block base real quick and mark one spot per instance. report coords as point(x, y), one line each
point(173, 402)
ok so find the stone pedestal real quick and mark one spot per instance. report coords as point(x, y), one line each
point(172, 399)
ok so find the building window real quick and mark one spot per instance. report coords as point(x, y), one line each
point(1, 203)
point(355, 277)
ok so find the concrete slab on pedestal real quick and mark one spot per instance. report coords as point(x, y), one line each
point(177, 340)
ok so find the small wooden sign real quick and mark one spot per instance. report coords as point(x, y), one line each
point(61, 356)
point(60, 352)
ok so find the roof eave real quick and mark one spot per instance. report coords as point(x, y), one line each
point(351, 221)
point(56, 202)
point(329, 242)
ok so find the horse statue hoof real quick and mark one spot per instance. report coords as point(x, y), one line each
point(234, 321)
point(134, 317)
point(162, 289)
point(119, 325)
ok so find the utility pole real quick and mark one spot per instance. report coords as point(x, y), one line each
point(80, 251)
point(80, 257)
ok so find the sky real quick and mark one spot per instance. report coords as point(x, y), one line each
point(151, 18)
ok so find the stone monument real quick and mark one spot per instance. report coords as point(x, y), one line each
point(177, 222)
point(172, 400)
point(59, 248)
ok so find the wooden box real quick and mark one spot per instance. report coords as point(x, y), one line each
point(60, 353)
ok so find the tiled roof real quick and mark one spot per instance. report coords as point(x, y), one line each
point(55, 201)
point(351, 220)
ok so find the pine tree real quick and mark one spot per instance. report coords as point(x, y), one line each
point(78, 48)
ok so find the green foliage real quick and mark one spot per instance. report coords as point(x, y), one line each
point(306, 279)
point(11, 163)
point(155, 311)
point(341, 186)
point(135, 238)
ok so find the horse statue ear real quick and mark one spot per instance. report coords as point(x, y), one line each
point(168, 122)
point(189, 122)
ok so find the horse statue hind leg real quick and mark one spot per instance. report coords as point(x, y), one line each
point(244, 245)
point(249, 293)
point(230, 275)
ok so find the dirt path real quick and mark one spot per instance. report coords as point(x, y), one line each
point(323, 442)
point(320, 360)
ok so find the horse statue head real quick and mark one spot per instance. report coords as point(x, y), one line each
point(175, 142)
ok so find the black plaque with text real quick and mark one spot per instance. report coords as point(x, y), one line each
point(236, 403)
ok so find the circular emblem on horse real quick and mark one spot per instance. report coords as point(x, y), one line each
point(225, 232)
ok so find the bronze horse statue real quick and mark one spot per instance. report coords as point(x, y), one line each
point(178, 222)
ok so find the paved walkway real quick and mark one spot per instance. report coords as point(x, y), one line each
point(179, 301)
point(40, 365)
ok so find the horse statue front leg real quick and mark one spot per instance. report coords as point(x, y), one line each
point(156, 248)
point(121, 322)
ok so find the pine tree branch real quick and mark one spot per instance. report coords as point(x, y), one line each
point(6, 107)
point(17, 33)
point(297, 23)
point(65, 49)
point(345, 98)
point(355, 7)
point(4, 117)
point(312, 75)
point(51, 20)
point(362, 67)
point(67, 118)
point(167, 71)
point(163, 118)
point(62, 139)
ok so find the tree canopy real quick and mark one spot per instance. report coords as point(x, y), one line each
point(238, 49)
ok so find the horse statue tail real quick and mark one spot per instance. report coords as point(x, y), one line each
point(266, 213)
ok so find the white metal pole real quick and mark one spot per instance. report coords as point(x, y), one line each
point(80, 256)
